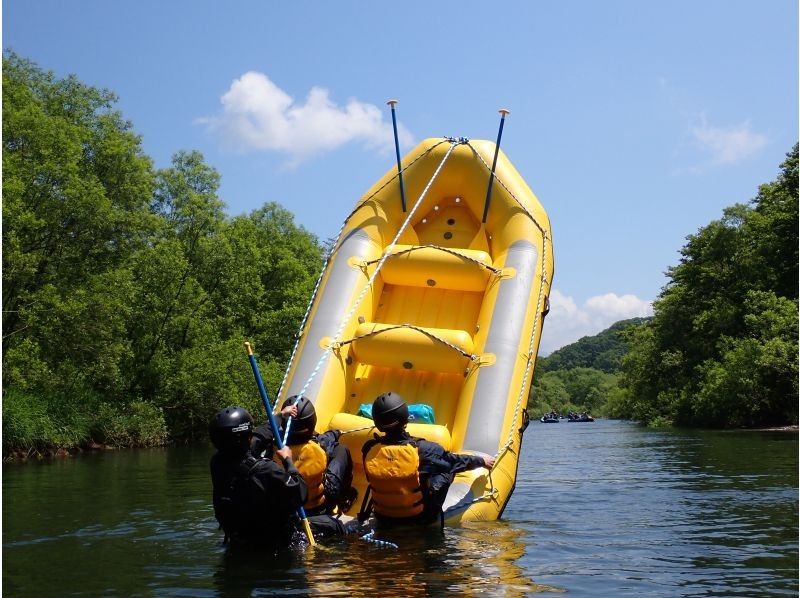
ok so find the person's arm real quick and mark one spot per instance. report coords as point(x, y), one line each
point(339, 471)
point(438, 468)
point(328, 441)
point(434, 459)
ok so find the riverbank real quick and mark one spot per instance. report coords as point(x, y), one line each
point(33, 454)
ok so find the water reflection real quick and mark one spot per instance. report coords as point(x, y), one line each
point(621, 510)
point(475, 559)
point(605, 509)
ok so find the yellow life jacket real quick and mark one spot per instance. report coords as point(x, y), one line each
point(311, 461)
point(392, 471)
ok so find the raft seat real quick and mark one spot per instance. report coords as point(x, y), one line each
point(413, 348)
point(355, 440)
point(450, 269)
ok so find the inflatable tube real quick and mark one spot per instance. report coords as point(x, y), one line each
point(438, 306)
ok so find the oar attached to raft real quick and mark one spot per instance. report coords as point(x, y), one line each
point(276, 432)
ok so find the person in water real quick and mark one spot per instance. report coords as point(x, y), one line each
point(408, 477)
point(324, 463)
point(255, 500)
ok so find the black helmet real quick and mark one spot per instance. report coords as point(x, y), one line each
point(390, 412)
point(302, 428)
point(230, 430)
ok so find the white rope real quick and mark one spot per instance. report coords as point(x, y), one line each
point(334, 248)
point(371, 279)
point(303, 323)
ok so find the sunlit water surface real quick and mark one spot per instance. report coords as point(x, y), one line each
point(600, 509)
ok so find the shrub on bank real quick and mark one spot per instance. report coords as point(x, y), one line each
point(140, 424)
point(39, 425)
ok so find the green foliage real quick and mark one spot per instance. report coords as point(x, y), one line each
point(603, 351)
point(125, 289)
point(36, 424)
point(575, 389)
point(583, 376)
point(722, 348)
point(139, 424)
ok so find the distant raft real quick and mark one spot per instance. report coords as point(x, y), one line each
point(440, 298)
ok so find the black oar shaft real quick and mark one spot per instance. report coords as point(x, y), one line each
point(486, 203)
point(392, 104)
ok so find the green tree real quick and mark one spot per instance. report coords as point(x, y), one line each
point(76, 188)
point(128, 292)
point(575, 389)
point(722, 348)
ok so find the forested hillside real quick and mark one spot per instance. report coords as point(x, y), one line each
point(583, 375)
point(127, 291)
point(603, 351)
point(722, 347)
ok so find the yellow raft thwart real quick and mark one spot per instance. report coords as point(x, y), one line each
point(438, 306)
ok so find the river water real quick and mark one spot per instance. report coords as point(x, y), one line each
point(600, 509)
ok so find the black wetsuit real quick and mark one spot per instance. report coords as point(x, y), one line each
point(437, 468)
point(338, 477)
point(256, 500)
point(336, 481)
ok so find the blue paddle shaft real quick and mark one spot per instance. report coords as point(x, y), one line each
point(272, 422)
point(265, 399)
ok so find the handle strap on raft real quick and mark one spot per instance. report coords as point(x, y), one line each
point(427, 333)
point(343, 432)
point(492, 269)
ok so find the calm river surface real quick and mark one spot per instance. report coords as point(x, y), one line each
point(601, 509)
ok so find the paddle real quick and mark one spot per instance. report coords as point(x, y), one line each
point(276, 432)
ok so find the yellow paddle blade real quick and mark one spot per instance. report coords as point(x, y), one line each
point(309, 535)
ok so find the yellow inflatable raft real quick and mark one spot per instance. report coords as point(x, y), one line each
point(439, 298)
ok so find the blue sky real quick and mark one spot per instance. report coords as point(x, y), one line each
point(634, 122)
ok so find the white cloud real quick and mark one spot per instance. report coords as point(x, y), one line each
point(567, 322)
point(728, 145)
point(257, 115)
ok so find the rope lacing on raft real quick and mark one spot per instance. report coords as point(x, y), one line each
point(427, 333)
point(510, 193)
point(530, 357)
point(333, 249)
point(368, 285)
point(492, 269)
